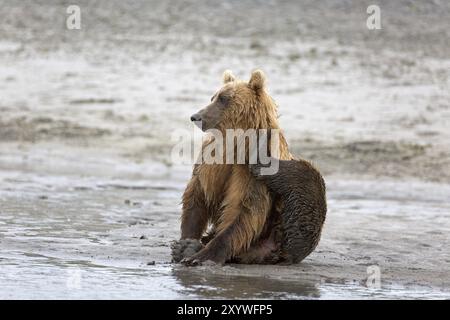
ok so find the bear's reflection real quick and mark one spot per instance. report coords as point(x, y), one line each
point(214, 282)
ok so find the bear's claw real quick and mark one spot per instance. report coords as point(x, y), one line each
point(205, 257)
point(197, 262)
point(255, 169)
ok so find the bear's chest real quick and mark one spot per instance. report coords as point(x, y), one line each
point(213, 180)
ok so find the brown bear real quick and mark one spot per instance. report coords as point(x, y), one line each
point(252, 218)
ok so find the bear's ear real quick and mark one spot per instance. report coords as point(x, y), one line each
point(228, 76)
point(257, 80)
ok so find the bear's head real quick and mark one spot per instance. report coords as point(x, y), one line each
point(239, 105)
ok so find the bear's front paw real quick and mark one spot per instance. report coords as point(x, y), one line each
point(260, 170)
point(185, 248)
point(205, 257)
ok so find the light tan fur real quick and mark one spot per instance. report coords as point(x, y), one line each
point(227, 196)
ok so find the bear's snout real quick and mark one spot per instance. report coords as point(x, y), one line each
point(196, 117)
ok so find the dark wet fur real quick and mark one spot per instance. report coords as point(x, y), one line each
point(302, 190)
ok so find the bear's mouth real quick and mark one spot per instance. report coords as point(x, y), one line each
point(205, 125)
point(200, 125)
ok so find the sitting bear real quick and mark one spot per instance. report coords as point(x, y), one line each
point(253, 218)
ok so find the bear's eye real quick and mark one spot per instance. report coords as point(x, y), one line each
point(222, 98)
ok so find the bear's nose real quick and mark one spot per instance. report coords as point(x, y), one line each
point(196, 117)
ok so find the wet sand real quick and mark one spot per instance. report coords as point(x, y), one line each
point(89, 197)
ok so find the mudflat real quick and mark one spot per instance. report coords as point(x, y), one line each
point(89, 195)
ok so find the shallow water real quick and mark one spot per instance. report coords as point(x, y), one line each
point(40, 277)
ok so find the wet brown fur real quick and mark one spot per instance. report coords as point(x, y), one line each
point(228, 197)
point(302, 190)
point(254, 218)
